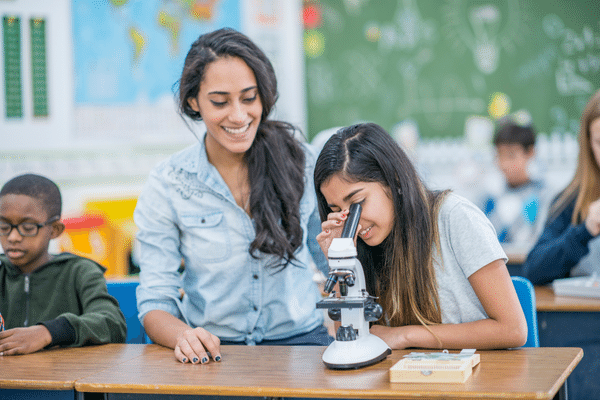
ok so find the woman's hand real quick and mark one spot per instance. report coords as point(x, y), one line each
point(190, 345)
point(193, 344)
point(332, 228)
point(592, 222)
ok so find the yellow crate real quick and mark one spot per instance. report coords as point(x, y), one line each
point(91, 236)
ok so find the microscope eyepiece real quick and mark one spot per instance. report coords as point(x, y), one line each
point(352, 222)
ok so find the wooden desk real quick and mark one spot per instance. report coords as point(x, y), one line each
point(515, 262)
point(547, 301)
point(58, 369)
point(532, 373)
point(515, 257)
point(572, 322)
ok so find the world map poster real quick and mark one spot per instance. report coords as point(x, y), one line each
point(132, 51)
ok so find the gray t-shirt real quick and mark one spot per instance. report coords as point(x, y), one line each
point(468, 242)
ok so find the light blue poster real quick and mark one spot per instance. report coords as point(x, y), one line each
point(132, 51)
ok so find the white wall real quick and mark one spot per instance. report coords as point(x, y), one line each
point(53, 131)
point(276, 26)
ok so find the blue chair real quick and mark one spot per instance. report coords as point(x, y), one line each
point(526, 295)
point(124, 292)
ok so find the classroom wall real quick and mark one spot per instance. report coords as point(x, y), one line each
point(21, 124)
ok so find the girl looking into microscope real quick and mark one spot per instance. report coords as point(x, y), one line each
point(431, 257)
point(238, 207)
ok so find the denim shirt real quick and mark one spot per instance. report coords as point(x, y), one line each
point(186, 211)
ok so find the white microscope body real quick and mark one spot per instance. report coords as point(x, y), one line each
point(354, 346)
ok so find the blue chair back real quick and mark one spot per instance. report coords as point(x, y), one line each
point(526, 295)
point(124, 292)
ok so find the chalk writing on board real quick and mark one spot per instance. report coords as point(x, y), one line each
point(440, 62)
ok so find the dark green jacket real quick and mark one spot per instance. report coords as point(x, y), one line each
point(67, 295)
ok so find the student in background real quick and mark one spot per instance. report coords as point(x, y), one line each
point(238, 207)
point(570, 246)
point(48, 300)
point(431, 257)
point(517, 209)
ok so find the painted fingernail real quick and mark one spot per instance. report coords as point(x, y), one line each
point(184, 360)
point(195, 360)
point(204, 360)
point(218, 358)
point(326, 230)
point(338, 222)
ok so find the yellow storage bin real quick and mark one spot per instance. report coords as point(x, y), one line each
point(118, 212)
point(88, 236)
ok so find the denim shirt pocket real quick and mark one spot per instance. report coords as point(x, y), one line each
point(205, 236)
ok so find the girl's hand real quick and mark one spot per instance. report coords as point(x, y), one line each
point(193, 344)
point(592, 222)
point(332, 228)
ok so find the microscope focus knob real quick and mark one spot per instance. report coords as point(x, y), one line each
point(373, 312)
point(335, 314)
point(343, 287)
point(349, 280)
point(345, 334)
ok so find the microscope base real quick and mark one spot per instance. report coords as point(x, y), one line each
point(357, 353)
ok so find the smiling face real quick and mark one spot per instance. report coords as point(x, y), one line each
point(230, 105)
point(26, 253)
point(377, 217)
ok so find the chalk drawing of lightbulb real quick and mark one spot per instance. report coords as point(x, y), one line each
point(483, 30)
point(485, 22)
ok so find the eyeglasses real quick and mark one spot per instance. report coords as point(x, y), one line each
point(25, 229)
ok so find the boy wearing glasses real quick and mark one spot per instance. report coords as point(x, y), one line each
point(48, 300)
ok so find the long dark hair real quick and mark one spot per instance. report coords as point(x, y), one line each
point(275, 160)
point(400, 270)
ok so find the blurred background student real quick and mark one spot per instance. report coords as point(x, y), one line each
point(569, 244)
point(516, 209)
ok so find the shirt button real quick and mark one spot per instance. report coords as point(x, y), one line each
point(255, 308)
point(255, 276)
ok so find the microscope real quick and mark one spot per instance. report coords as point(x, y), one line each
point(354, 346)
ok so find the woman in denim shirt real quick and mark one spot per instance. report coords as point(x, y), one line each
point(238, 208)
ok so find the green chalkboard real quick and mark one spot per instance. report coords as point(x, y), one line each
point(437, 62)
